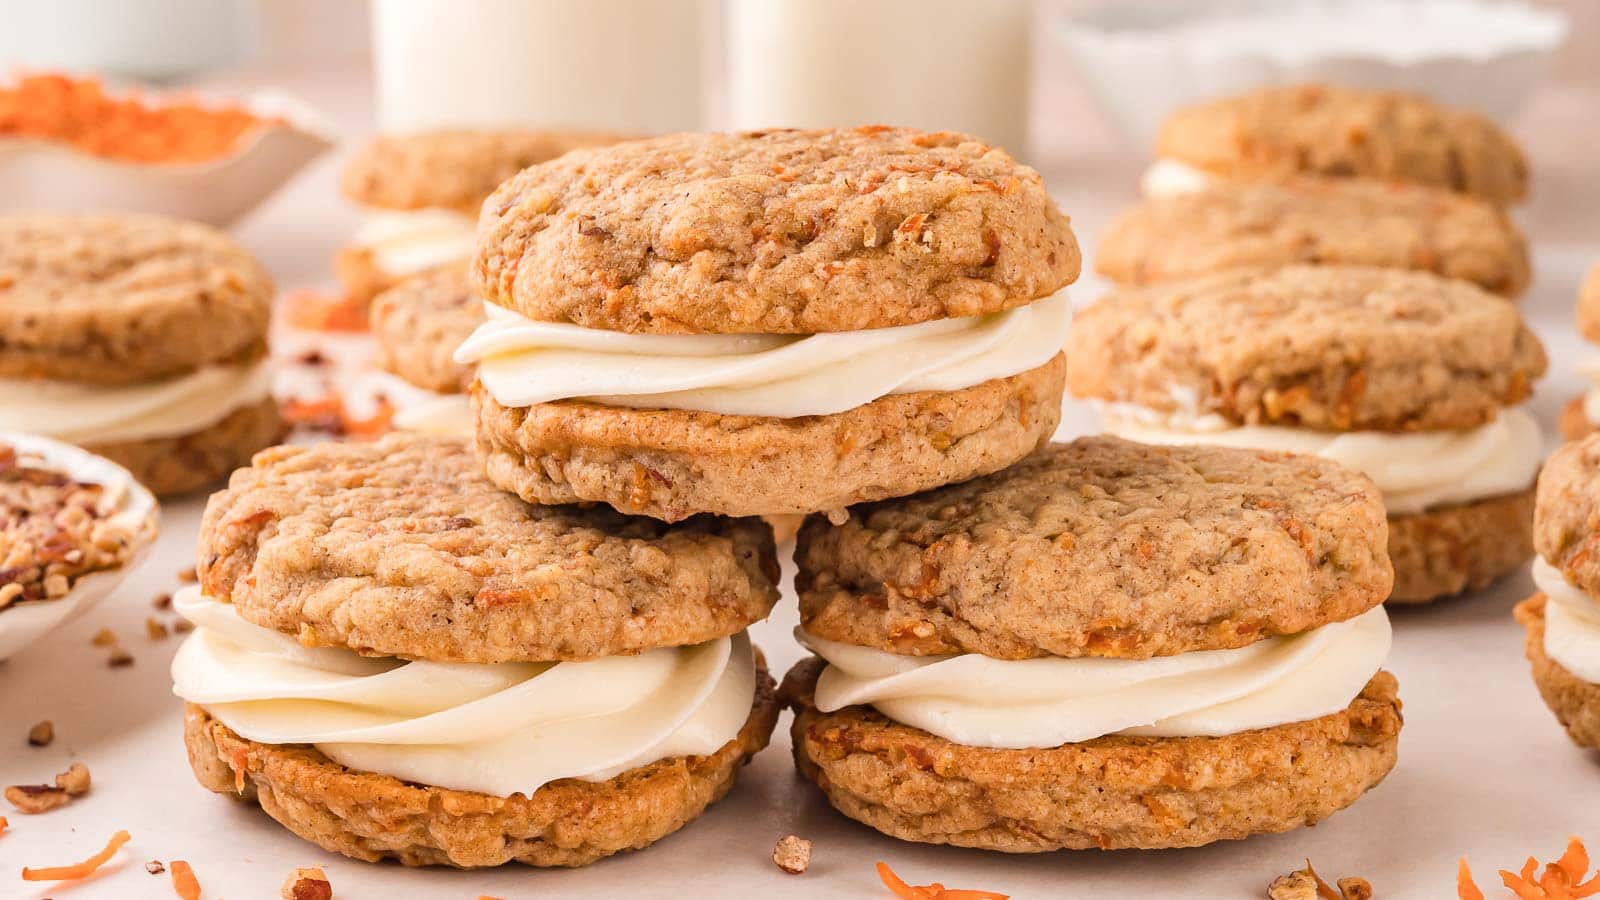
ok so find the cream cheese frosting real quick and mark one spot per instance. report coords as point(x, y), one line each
point(442, 414)
point(522, 362)
point(496, 729)
point(1415, 471)
point(978, 701)
point(1167, 177)
point(82, 413)
point(1571, 623)
point(404, 242)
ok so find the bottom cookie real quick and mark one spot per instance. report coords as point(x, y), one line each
point(1575, 702)
point(1575, 419)
point(565, 823)
point(176, 465)
point(1109, 793)
point(1445, 551)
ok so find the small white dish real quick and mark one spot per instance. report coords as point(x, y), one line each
point(21, 624)
point(38, 174)
point(1145, 58)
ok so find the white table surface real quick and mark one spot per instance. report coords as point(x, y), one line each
point(1484, 769)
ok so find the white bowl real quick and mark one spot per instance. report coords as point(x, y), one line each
point(21, 624)
point(1145, 58)
point(38, 174)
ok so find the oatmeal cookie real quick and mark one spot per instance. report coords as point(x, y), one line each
point(1575, 702)
point(1108, 793)
point(1353, 221)
point(783, 231)
point(1339, 131)
point(672, 464)
point(1101, 547)
point(1324, 347)
point(1443, 552)
point(1575, 422)
point(178, 465)
point(1566, 520)
point(399, 547)
point(565, 823)
point(119, 299)
point(418, 325)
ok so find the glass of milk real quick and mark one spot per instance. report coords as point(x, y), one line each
point(950, 65)
point(627, 65)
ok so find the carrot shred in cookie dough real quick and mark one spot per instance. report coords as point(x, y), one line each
point(935, 891)
point(184, 884)
point(1560, 880)
point(78, 870)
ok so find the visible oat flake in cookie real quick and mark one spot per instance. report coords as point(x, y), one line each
point(784, 231)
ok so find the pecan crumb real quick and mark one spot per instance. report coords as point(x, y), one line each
point(188, 576)
point(154, 867)
point(42, 733)
point(1306, 884)
point(75, 780)
point(105, 637)
point(307, 884)
point(155, 630)
point(183, 626)
point(162, 601)
point(33, 799)
point(119, 658)
point(792, 854)
point(1352, 888)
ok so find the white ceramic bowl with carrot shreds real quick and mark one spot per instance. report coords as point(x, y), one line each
point(72, 526)
point(71, 144)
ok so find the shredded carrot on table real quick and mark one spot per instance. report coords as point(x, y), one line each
point(1560, 880)
point(313, 310)
point(935, 891)
point(79, 112)
point(78, 870)
point(183, 881)
point(4, 824)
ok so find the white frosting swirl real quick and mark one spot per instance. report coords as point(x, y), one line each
point(978, 701)
point(443, 414)
point(497, 729)
point(404, 242)
point(83, 413)
point(1167, 177)
point(522, 362)
point(1415, 470)
point(1571, 623)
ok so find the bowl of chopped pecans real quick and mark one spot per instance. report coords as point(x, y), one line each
point(74, 145)
point(72, 524)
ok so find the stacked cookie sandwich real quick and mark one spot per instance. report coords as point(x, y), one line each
point(139, 338)
point(1107, 645)
point(1338, 132)
point(421, 192)
point(1411, 378)
point(1563, 619)
point(417, 326)
point(767, 323)
point(395, 659)
point(1582, 413)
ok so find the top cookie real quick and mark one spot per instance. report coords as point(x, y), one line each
point(399, 547)
point(1326, 347)
point(786, 231)
point(418, 324)
point(1321, 129)
point(1589, 305)
point(116, 299)
point(451, 169)
point(1102, 547)
point(1359, 221)
point(1566, 516)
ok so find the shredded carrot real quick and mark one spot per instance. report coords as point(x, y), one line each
point(183, 881)
point(313, 310)
point(79, 112)
point(78, 870)
point(1560, 880)
point(4, 824)
point(935, 891)
point(328, 414)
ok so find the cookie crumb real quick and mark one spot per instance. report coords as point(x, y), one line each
point(154, 867)
point(309, 883)
point(792, 854)
point(41, 734)
point(154, 630)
